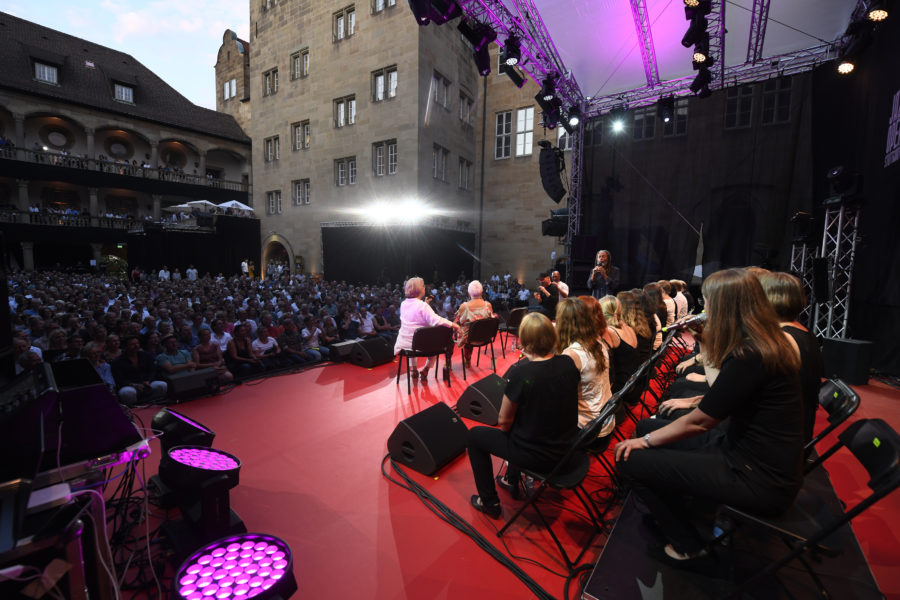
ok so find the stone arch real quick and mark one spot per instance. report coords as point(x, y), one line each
point(276, 247)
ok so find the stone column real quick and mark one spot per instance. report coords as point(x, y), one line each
point(23, 203)
point(28, 256)
point(157, 200)
point(93, 207)
point(154, 154)
point(89, 132)
point(201, 172)
point(20, 130)
point(97, 253)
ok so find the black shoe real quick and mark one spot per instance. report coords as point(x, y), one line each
point(513, 489)
point(491, 510)
point(705, 564)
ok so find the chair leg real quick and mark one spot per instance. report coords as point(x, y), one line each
point(408, 383)
point(493, 358)
point(400, 358)
point(478, 360)
point(502, 349)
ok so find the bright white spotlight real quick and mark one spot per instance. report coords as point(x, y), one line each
point(618, 126)
point(846, 67)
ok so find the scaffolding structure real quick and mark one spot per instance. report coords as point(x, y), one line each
point(802, 254)
point(839, 248)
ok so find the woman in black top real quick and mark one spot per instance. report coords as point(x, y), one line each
point(754, 464)
point(633, 315)
point(538, 416)
point(624, 357)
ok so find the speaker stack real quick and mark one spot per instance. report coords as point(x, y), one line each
point(847, 359)
point(481, 400)
point(429, 440)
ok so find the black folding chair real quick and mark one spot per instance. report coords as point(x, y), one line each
point(808, 523)
point(427, 342)
point(569, 474)
point(839, 401)
point(511, 326)
point(482, 333)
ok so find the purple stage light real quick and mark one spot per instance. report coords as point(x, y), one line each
point(193, 467)
point(250, 565)
point(204, 458)
point(178, 430)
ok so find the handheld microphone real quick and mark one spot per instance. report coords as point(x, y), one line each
point(687, 323)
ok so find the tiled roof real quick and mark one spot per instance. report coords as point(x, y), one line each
point(22, 42)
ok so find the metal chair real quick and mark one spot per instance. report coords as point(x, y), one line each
point(511, 325)
point(427, 342)
point(839, 401)
point(482, 333)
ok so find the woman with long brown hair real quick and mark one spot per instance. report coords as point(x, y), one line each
point(633, 315)
point(756, 463)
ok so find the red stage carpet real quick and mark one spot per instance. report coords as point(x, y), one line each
point(312, 444)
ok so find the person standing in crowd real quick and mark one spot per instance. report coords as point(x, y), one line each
point(245, 267)
point(604, 277)
point(547, 295)
point(561, 285)
point(415, 313)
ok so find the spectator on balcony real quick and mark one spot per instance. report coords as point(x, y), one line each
point(191, 273)
point(164, 274)
point(176, 275)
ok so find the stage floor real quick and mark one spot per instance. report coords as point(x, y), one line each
point(312, 445)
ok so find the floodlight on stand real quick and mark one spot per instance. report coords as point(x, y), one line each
point(251, 565)
point(512, 52)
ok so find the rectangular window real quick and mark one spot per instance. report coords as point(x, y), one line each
point(524, 130)
point(300, 135)
point(270, 82)
point(644, 127)
point(439, 162)
point(677, 125)
point(45, 73)
point(378, 159)
point(301, 192)
point(124, 93)
point(441, 89)
point(300, 64)
point(776, 97)
point(465, 109)
point(344, 23)
point(392, 157)
point(465, 174)
point(379, 5)
point(384, 83)
point(230, 89)
point(503, 139)
point(271, 149)
point(738, 106)
point(345, 171)
point(345, 111)
point(273, 202)
point(226, 91)
point(384, 158)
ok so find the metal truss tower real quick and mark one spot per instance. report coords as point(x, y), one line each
point(802, 254)
point(839, 248)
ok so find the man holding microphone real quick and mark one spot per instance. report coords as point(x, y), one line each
point(604, 278)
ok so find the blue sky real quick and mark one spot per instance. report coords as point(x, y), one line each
point(177, 39)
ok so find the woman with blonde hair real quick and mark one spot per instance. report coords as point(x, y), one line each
point(633, 315)
point(538, 416)
point(625, 357)
point(473, 310)
point(579, 339)
point(756, 462)
point(416, 313)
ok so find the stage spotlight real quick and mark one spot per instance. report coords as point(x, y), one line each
point(179, 430)
point(251, 565)
point(482, 58)
point(512, 52)
point(666, 109)
point(701, 52)
point(617, 117)
point(513, 75)
point(434, 11)
point(421, 10)
point(877, 11)
point(691, 3)
point(845, 66)
point(480, 36)
point(692, 8)
point(701, 81)
point(574, 117)
point(695, 32)
point(548, 89)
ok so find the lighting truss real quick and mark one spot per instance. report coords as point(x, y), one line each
point(802, 253)
point(716, 29)
point(758, 19)
point(839, 247)
point(645, 36)
point(574, 202)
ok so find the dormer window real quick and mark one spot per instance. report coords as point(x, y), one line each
point(124, 93)
point(44, 72)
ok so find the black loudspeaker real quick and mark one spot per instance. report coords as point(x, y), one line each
point(550, 161)
point(555, 227)
point(341, 351)
point(821, 285)
point(371, 352)
point(847, 359)
point(481, 400)
point(428, 440)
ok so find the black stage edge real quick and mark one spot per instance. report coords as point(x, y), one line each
point(624, 571)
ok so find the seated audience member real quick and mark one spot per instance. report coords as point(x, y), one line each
point(384, 328)
point(240, 357)
point(416, 313)
point(655, 310)
point(633, 314)
point(56, 345)
point(330, 332)
point(291, 344)
point(219, 336)
point(24, 355)
point(665, 289)
point(312, 343)
point(349, 325)
point(756, 462)
point(468, 312)
point(135, 375)
point(577, 337)
point(74, 346)
point(173, 359)
point(93, 351)
point(152, 343)
point(547, 295)
point(681, 302)
point(266, 349)
point(207, 355)
point(366, 323)
point(538, 416)
point(186, 339)
point(624, 356)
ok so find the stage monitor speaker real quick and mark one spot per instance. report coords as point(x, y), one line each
point(371, 352)
point(549, 164)
point(847, 359)
point(481, 400)
point(341, 351)
point(427, 441)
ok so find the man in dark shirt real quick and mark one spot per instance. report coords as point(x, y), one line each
point(135, 374)
point(547, 295)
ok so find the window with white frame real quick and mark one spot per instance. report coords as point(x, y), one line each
point(776, 101)
point(524, 130)
point(503, 136)
point(644, 127)
point(465, 109)
point(271, 149)
point(46, 73)
point(345, 171)
point(270, 82)
point(439, 162)
point(273, 202)
point(300, 64)
point(301, 191)
point(345, 111)
point(384, 83)
point(300, 135)
point(465, 174)
point(230, 89)
point(123, 93)
point(384, 158)
point(677, 125)
point(441, 89)
point(738, 106)
point(380, 5)
point(344, 23)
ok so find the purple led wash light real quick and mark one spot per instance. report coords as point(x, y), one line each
point(242, 566)
point(204, 458)
point(189, 421)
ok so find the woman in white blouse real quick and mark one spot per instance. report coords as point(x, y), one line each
point(415, 313)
